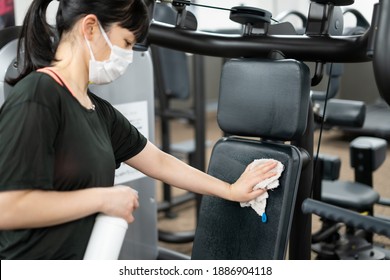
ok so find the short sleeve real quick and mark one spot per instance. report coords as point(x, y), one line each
point(127, 141)
point(27, 130)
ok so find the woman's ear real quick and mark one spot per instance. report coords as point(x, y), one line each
point(89, 26)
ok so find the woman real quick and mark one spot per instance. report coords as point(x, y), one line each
point(60, 143)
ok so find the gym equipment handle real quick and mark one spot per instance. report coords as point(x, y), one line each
point(348, 217)
point(300, 47)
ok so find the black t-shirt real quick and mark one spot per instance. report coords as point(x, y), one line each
point(49, 141)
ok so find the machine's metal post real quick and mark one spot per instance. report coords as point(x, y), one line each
point(200, 124)
point(300, 237)
point(382, 51)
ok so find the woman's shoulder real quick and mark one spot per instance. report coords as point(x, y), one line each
point(37, 80)
point(35, 86)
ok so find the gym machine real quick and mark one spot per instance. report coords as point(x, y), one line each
point(315, 45)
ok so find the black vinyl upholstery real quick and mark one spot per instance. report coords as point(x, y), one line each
point(228, 231)
point(264, 98)
point(351, 195)
point(258, 98)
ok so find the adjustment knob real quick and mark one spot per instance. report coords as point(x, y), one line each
point(250, 16)
point(335, 2)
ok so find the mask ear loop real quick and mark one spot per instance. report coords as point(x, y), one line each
point(105, 35)
point(90, 49)
point(105, 38)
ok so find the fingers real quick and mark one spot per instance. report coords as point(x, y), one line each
point(133, 205)
point(242, 190)
point(256, 193)
point(268, 175)
point(121, 201)
point(135, 199)
point(265, 167)
point(265, 170)
point(261, 172)
point(130, 218)
point(259, 169)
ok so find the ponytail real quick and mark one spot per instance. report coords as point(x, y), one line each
point(37, 42)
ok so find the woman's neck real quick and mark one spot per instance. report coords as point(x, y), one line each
point(72, 65)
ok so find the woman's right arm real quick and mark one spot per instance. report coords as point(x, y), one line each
point(38, 208)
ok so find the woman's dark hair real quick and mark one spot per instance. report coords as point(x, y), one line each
point(38, 40)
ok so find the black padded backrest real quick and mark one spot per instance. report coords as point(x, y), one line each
point(255, 95)
point(228, 231)
point(264, 98)
point(172, 71)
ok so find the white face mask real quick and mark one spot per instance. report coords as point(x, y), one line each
point(104, 72)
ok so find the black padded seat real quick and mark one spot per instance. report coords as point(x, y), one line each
point(351, 195)
point(376, 122)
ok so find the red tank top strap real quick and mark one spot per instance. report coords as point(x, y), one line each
point(52, 74)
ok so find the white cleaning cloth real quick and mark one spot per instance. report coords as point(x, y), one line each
point(259, 204)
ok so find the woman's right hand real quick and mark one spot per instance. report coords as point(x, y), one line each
point(120, 201)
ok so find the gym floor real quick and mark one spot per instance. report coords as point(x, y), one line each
point(333, 142)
